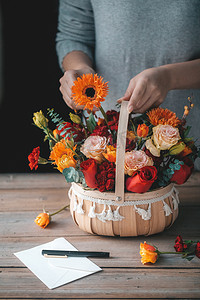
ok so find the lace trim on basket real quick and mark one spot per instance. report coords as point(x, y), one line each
point(109, 215)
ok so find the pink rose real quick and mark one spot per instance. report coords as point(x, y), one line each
point(135, 160)
point(94, 146)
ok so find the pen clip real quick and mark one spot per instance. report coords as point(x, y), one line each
point(54, 256)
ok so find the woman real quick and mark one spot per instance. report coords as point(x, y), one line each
point(148, 50)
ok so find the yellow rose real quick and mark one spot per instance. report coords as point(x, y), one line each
point(40, 120)
point(150, 146)
point(165, 136)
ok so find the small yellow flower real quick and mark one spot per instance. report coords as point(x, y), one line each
point(40, 120)
point(75, 118)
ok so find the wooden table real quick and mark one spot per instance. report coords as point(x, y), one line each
point(23, 196)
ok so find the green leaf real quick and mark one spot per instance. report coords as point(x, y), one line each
point(189, 258)
point(187, 131)
point(188, 139)
point(91, 123)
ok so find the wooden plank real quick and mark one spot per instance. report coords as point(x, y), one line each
point(33, 199)
point(32, 180)
point(123, 252)
point(110, 283)
point(22, 224)
point(52, 199)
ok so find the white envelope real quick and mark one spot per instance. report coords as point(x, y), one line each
point(54, 272)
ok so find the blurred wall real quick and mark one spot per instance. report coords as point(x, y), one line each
point(31, 79)
point(1, 66)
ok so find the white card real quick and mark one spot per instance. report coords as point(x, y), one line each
point(54, 272)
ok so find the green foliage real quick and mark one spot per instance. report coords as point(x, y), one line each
point(73, 175)
point(91, 123)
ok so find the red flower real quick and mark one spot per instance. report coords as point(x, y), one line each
point(197, 250)
point(113, 119)
point(101, 130)
point(141, 180)
point(78, 131)
point(130, 145)
point(182, 175)
point(110, 184)
point(89, 169)
point(180, 246)
point(33, 158)
point(106, 176)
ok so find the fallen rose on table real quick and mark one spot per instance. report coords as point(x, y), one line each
point(187, 249)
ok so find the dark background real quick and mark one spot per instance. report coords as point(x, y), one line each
point(30, 79)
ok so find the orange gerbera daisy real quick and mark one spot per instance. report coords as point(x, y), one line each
point(89, 90)
point(163, 116)
point(63, 156)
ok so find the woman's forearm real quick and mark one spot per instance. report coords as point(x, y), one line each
point(76, 60)
point(185, 75)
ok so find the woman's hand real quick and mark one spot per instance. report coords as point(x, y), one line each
point(67, 81)
point(147, 89)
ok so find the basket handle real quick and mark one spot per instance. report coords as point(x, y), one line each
point(120, 155)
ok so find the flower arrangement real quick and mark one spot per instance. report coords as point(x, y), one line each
point(188, 249)
point(158, 149)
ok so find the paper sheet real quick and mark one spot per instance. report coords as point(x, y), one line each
point(54, 272)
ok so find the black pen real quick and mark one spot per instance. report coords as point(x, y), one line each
point(63, 253)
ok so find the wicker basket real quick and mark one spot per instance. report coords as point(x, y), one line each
point(119, 213)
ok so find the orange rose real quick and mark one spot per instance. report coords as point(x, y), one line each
point(65, 162)
point(42, 220)
point(110, 155)
point(142, 130)
point(148, 253)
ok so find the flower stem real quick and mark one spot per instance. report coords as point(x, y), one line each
point(104, 114)
point(59, 210)
point(171, 252)
point(84, 129)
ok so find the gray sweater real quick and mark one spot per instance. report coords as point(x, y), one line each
point(125, 37)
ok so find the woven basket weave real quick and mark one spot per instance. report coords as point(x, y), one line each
point(123, 214)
